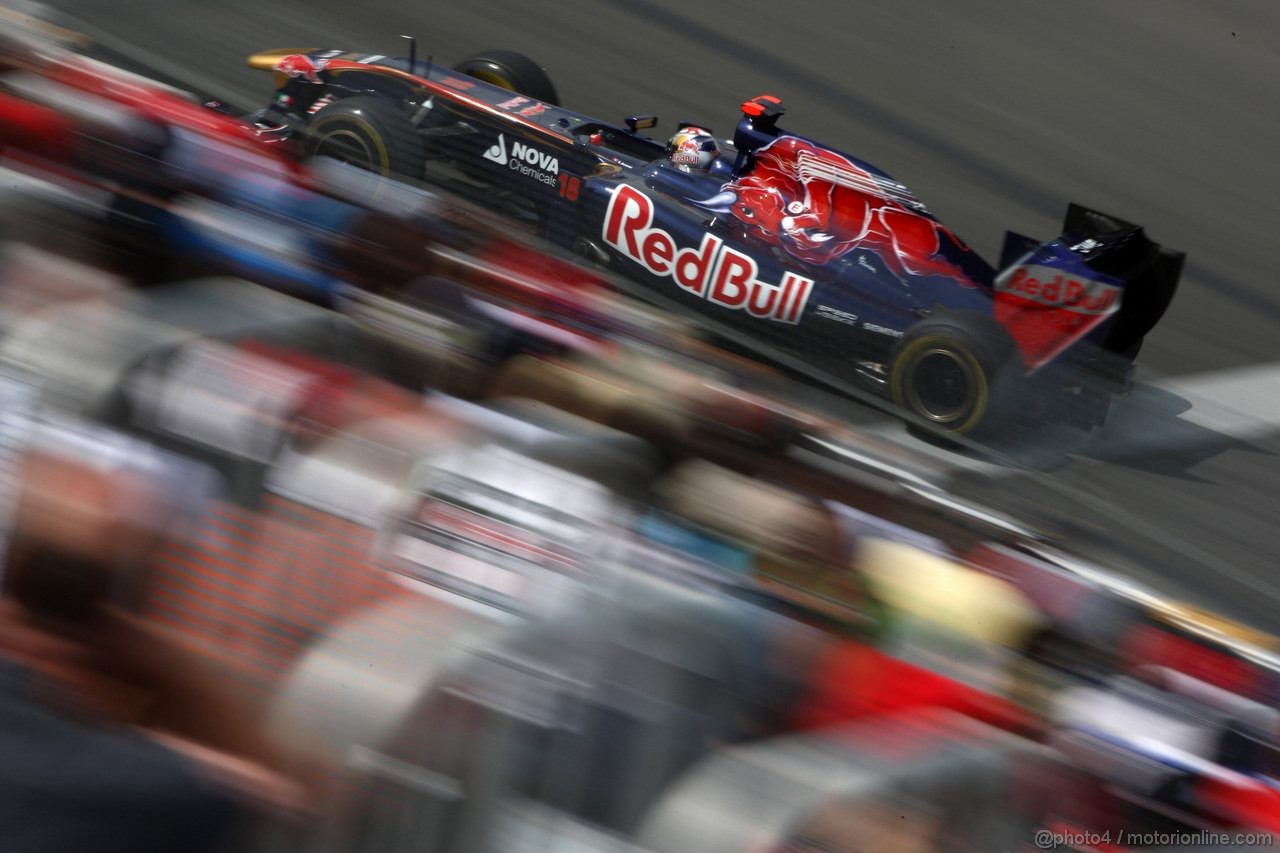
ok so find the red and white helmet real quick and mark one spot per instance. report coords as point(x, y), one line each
point(692, 148)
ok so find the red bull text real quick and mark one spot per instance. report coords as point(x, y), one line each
point(714, 271)
point(1048, 286)
point(1047, 310)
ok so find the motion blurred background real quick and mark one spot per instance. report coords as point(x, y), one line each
point(997, 116)
point(647, 597)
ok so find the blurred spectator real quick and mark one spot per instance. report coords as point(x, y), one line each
point(112, 736)
point(949, 618)
point(954, 626)
point(800, 551)
point(902, 826)
point(33, 280)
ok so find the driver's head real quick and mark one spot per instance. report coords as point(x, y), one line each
point(692, 148)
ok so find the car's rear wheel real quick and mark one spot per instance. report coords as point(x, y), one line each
point(951, 374)
point(370, 134)
point(513, 71)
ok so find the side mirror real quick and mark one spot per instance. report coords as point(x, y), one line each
point(635, 123)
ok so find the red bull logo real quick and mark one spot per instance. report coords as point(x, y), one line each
point(713, 270)
point(686, 148)
point(299, 66)
point(1047, 310)
point(818, 205)
point(1048, 286)
point(686, 152)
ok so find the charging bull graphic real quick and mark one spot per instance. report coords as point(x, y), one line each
point(817, 205)
point(298, 66)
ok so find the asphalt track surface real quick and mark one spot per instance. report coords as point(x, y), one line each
point(997, 114)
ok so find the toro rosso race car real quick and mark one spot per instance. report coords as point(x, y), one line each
point(808, 256)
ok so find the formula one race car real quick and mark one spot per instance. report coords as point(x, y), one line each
point(808, 256)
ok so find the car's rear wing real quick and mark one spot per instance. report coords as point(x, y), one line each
point(1150, 271)
point(1100, 270)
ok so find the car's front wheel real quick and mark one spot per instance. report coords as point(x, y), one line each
point(370, 134)
point(951, 373)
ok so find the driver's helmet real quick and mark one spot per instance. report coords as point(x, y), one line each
point(692, 148)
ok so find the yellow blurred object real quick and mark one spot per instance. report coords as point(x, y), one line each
point(934, 589)
point(268, 59)
point(1215, 628)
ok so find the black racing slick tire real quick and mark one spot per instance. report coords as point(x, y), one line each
point(369, 133)
point(511, 70)
point(952, 374)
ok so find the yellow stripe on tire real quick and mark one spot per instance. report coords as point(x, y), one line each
point(384, 157)
point(911, 352)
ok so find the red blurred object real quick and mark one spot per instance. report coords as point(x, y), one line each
point(855, 681)
point(92, 100)
point(336, 395)
point(1153, 645)
point(33, 128)
point(1245, 803)
point(159, 105)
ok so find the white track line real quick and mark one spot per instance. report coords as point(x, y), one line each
point(1242, 403)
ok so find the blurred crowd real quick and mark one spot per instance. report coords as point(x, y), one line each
point(339, 520)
